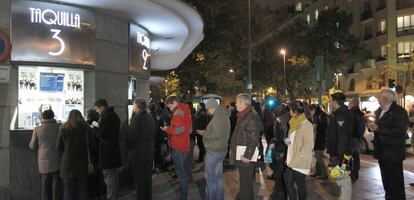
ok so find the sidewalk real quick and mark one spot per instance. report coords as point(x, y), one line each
point(368, 187)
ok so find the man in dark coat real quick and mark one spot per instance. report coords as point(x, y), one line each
point(389, 143)
point(247, 134)
point(320, 122)
point(357, 133)
point(140, 139)
point(109, 151)
point(339, 140)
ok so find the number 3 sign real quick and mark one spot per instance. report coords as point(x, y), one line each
point(5, 46)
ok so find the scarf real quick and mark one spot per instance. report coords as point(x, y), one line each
point(294, 122)
point(243, 113)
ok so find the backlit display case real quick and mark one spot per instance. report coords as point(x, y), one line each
point(41, 88)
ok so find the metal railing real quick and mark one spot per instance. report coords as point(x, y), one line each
point(366, 15)
point(403, 4)
point(368, 36)
point(407, 30)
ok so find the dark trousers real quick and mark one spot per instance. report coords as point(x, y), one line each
point(247, 177)
point(356, 165)
point(392, 179)
point(190, 159)
point(293, 178)
point(142, 172)
point(51, 186)
point(75, 188)
point(201, 148)
point(278, 167)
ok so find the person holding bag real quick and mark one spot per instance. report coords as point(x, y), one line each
point(73, 143)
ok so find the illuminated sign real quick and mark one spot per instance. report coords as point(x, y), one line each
point(46, 32)
point(140, 55)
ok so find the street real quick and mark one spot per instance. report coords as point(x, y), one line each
point(368, 187)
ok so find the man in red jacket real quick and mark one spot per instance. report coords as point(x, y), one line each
point(179, 141)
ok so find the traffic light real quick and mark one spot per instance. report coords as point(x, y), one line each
point(391, 83)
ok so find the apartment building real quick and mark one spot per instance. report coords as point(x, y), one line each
point(387, 29)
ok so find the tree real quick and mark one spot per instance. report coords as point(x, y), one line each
point(330, 38)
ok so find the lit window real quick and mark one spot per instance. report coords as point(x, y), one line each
point(299, 7)
point(326, 7)
point(316, 14)
point(400, 22)
point(308, 18)
point(337, 44)
point(383, 26)
point(407, 21)
point(383, 51)
point(405, 49)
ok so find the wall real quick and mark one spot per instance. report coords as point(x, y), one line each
point(8, 102)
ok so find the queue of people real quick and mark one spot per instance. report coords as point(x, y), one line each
point(84, 156)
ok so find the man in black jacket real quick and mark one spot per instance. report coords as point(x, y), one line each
point(109, 151)
point(389, 143)
point(140, 139)
point(339, 140)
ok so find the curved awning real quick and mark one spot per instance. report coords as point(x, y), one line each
point(175, 27)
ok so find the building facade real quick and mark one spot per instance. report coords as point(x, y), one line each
point(386, 27)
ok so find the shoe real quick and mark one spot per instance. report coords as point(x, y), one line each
point(412, 184)
point(200, 160)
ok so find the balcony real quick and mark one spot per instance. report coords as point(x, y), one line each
point(408, 30)
point(366, 15)
point(368, 36)
point(404, 4)
point(381, 7)
point(379, 33)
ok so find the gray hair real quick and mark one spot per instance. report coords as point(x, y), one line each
point(244, 98)
point(389, 95)
point(141, 103)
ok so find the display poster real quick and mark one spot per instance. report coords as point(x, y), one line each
point(47, 32)
point(139, 50)
point(42, 88)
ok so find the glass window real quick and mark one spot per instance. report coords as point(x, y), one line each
point(400, 22)
point(407, 21)
point(406, 47)
point(299, 7)
point(308, 18)
point(383, 51)
point(316, 14)
point(383, 26)
point(400, 48)
point(412, 20)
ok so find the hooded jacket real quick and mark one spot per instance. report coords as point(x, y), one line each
point(180, 128)
point(217, 132)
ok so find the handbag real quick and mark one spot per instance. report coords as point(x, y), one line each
point(91, 167)
point(269, 154)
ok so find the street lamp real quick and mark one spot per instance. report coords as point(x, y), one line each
point(337, 75)
point(231, 71)
point(283, 52)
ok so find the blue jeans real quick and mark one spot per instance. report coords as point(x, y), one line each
point(180, 159)
point(214, 175)
point(75, 188)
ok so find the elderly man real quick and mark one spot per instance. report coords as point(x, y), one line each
point(216, 138)
point(389, 143)
point(246, 134)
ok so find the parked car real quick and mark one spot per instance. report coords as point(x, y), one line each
point(367, 144)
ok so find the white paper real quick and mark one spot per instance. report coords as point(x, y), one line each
point(240, 151)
